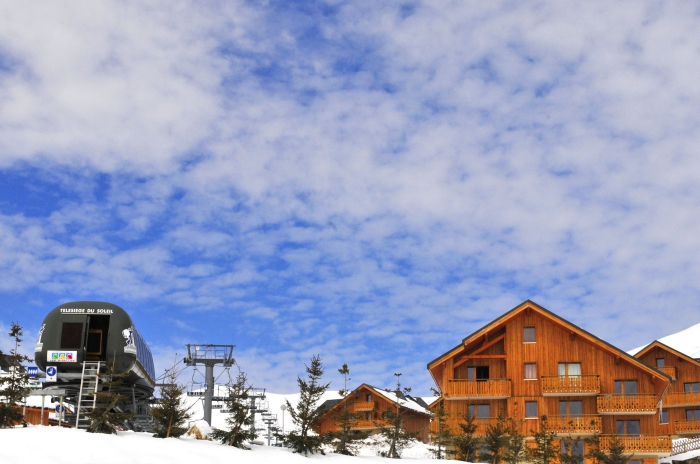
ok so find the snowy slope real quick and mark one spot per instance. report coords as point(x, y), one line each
point(686, 341)
point(68, 446)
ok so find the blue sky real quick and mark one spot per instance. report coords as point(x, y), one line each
point(369, 181)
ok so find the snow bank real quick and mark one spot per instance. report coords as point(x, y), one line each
point(69, 446)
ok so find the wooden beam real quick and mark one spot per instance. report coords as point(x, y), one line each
point(480, 349)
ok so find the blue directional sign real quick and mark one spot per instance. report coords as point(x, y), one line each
point(33, 371)
point(51, 371)
point(60, 409)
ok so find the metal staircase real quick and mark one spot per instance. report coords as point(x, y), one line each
point(87, 398)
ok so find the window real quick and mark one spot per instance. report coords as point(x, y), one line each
point(72, 336)
point(626, 387)
point(530, 371)
point(478, 373)
point(368, 398)
point(627, 427)
point(530, 409)
point(692, 387)
point(480, 411)
point(571, 408)
point(573, 448)
point(660, 362)
point(692, 414)
point(634, 461)
point(569, 369)
point(663, 417)
point(529, 335)
point(368, 416)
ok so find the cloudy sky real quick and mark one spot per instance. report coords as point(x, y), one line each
point(369, 181)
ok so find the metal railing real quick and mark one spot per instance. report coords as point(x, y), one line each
point(683, 446)
point(488, 388)
point(570, 385)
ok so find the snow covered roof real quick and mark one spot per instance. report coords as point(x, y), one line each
point(405, 401)
point(686, 341)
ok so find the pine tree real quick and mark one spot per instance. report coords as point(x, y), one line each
point(345, 440)
point(302, 439)
point(391, 426)
point(615, 452)
point(496, 438)
point(106, 416)
point(568, 453)
point(466, 443)
point(441, 438)
point(515, 449)
point(544, 452)
point(240, 420)
point(171, 412)
point(13, 387)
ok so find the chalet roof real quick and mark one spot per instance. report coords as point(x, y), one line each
point(658, 344)
point(560, 321)
point(404, 401)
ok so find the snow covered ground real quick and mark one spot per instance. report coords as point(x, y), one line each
point(59, 445)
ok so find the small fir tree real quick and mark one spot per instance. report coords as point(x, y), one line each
point(515, 449)
point(466, 443)
point(13, 387)
point(495, 439)
point(346, 441)
point(106, 417)
point(302, 439)
point(569, 452)
point(240, 419)
point(171, 412)
point(442, 437)
point(391, 426)
point(614, 454)
point(544, 451)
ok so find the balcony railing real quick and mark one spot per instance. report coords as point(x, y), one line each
point(484, 389)
point(650, 444)
point(453, 424)
point(673, 400)
point(367, 424)
point(683, 427)
point(365, 406)
point(575, 425)
point(669, 370)
point(573, 385)
point(627, 404)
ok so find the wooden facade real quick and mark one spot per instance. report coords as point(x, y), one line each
point(368, 403)
point(681, 403)
point(531, 363)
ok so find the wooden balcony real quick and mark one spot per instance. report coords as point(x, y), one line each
point(687, 427)
point(642, 445)
point(669, 370)
point(575, 425)
point(364, 406)
point(367, 424)
point(627, 404)
point(453, 424)
point(490, 389)
point(578, 385)
point(675, 400)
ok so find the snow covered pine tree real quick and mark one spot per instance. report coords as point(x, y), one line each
point(170, 413)
point(13, 387)
point(240, 419)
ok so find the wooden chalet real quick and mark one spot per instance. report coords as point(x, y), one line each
point(680, 415)
point(530, 363)
point(368, 403)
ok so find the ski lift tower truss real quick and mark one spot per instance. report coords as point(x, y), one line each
point(208, 356)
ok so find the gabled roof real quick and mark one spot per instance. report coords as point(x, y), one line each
point(403, 401)
point(658, 344)
point(528, 304)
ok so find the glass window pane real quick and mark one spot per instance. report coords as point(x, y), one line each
point(470, 410)
point(529, 334)
point(531, 409)
point(630, 387)
point(483, 411)
point(574, 369)
point(633, 427)
point(562, 369)
point(618, 387)
point(697, 414)
point(562, 408)
point(660, 362)
point(620, 427)
point(689, 414)
point(575, 408)
point(530, 370)
point(471, 373)
point(577, 448)
point(663, 418)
